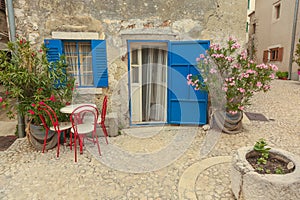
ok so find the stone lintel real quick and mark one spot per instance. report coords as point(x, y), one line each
point(75, 35)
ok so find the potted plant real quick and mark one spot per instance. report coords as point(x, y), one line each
point(29, 78)
point(283, 75)
point(231, 78)
point(260, 172)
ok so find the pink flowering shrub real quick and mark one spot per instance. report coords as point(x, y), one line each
point(229, 70)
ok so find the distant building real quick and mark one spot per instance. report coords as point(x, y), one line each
point(270, 34)
point(250, 9)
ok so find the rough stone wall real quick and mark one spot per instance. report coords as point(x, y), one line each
point(3, 30)
point(118, 20)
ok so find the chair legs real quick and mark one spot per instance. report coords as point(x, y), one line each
point(104, 131)
point(58, 142)
point(45, 140)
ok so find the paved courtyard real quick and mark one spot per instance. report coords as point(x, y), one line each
point(170, 162)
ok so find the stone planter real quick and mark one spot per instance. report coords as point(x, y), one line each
point(247, 184)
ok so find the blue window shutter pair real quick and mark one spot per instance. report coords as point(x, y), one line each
point(99, 58)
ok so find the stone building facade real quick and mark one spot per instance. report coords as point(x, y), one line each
point(117, 21)
point(272, 32)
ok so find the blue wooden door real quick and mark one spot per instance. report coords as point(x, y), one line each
point(185, 105)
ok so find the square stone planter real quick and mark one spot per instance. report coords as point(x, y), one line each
point(248, 185)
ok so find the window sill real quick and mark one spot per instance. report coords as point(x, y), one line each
point(89, 90)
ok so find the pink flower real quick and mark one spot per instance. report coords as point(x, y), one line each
point(242, 90)
point(1, 99)
point(197, 59)
point(244, 54)
point(233, 112)
point(41, 103)
point(225, 89)
point(235, 46)
point(212, 71)
point(259, 84)
point(272, 76)
point(266, 87)
point(229, 58)
point(274, 67)
point(241, 108)
point(202, 56)
point(33, 104)
point(31, 112)
point(232, 83)
point(188, 77)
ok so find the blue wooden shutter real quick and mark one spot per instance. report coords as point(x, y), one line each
point(99, 61)
point(185, 105)
point(54, 49)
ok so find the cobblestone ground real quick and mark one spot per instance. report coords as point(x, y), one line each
point(28, 174)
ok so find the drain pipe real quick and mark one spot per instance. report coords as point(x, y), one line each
point(293, 38)
point(12, 34)
point(11, 20)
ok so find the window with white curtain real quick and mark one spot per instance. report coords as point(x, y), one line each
point(79, 58)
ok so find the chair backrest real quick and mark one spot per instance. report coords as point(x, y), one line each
point(84, 114)
point(46, 112)
point(104, 108)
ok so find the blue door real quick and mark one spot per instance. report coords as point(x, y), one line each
point(185, 105)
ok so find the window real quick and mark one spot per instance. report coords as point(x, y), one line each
point(79, 58)
point(87, 60)
point(254, 27)
point(274, 54)
point(2, 5)
point(277, 11)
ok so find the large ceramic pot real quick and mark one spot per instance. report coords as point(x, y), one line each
point(247, 184)
point(36, 135)
point(228, 123)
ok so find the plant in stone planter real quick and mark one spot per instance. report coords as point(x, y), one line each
point(261, 172)
point(230, 76)
point(265, 162)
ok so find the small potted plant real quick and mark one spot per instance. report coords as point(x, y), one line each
point(260, 172)
point(283, 75)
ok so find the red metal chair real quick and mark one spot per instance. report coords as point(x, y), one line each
point(101, 120)
point(84, 120)
point(46, 112)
